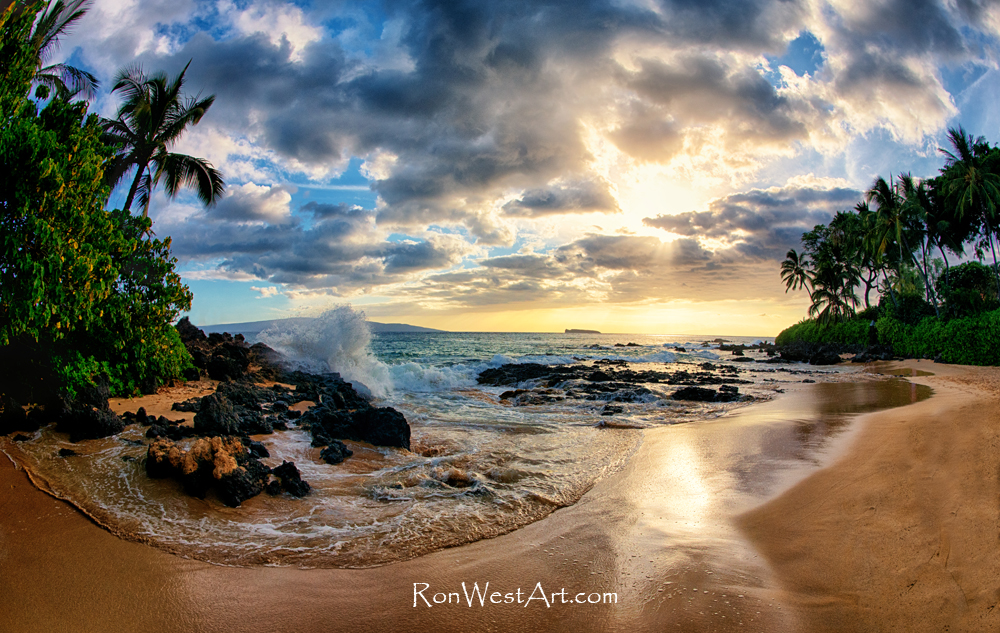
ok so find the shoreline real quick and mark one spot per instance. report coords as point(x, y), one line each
point(900, 533)
point(633, 534)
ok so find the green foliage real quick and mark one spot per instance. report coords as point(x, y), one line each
point(81, 292)
point(55, 260)
point(972, 340)
point(968, 289)
point(852, 332)
point(17, 57)
point(909, 308)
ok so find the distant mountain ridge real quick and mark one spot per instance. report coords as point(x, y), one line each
point(252, 328)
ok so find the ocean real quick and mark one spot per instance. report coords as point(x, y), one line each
point(485, 459)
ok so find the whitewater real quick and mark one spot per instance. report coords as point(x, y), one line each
point(481, 463)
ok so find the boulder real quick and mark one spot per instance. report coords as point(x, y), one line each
point(697, 394)
point(336, 452)
point(85, 422)
point(291, 479)
point(220, 462)
point(216, 417)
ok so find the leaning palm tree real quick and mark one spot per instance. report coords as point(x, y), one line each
point(52, 23)
point(150, 120)
point(795, 271)
point(969, 186)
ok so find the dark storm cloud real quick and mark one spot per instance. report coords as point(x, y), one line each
point(761, 224)
point(339, 249)
point(573, 197)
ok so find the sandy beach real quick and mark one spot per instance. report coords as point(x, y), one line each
point(789, 515)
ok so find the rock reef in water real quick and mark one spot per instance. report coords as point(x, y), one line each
point(571, 331)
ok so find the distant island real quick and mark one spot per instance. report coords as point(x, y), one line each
point(582, 332)
point(253, 328)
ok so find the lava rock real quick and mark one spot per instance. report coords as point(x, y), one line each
point(336, 452)
point(66, 452)
point(216, 417)
point(291, 479)
point(85, 422)
point(242, 483)
point(697, 394)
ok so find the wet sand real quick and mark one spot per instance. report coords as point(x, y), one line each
point(902, 533)
point(661, 534)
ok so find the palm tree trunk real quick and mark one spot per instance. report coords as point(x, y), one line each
point(989, 236)
point(133, 188)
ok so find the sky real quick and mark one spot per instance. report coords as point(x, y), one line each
point(621, 165)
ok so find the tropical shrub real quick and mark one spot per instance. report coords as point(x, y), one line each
point(81, 292)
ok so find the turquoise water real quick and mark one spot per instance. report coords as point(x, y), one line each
point(480, 465)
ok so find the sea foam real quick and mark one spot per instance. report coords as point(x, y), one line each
point(338, 340)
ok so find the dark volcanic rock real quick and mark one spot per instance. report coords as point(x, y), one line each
point(220, 462)
point(244, 482)
point(291, 480)
point(12, 416)
point(66, 452)
point(85, 422)
point(216, 417)
point(336, 452)
point(726, 393)
point(698, 394)
point(382, 426)
point(21, 437)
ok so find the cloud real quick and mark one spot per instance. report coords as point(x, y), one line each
point(484, 124)
point(564, 197)
point(267, 291)
point(762, 223)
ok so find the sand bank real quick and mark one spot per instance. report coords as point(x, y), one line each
point(902, 533)
point(659, 535)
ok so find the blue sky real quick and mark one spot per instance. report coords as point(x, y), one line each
point(642, 165)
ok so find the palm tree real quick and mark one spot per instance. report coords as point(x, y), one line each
point(970, 187)
point(795, 271)
point(67, 81)
point(151, 118)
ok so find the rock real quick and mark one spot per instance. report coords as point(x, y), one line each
point(279, 406)
point(85, 422)
point(379, 426)
point(825, 357)
point(149, 385)
point(66, 452)
point(141, 417)
point(95, 394)
point(291, 480)
point(383, 426)
point(188, 406)
point(216, 417)
point(680, 349)
point(12, 417)
point(273, 487)
point(810, 380)
point(256, 449)
point(188, 332)
point(697, 394)
point(21, 437)
point(242, 483)
point(220, 462)
point(336, 452)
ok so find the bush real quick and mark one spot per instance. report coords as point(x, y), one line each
point(968, 289)
point(851, 332)
point(908, 308)
point(81, 292)
point(972, 340)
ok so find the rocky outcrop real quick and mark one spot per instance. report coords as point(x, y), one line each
point(225, 357)
point(335, 452)
point(382, 426)
point(222, 463)
point(216, 416)
point(291, 479)
point(726, 393)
